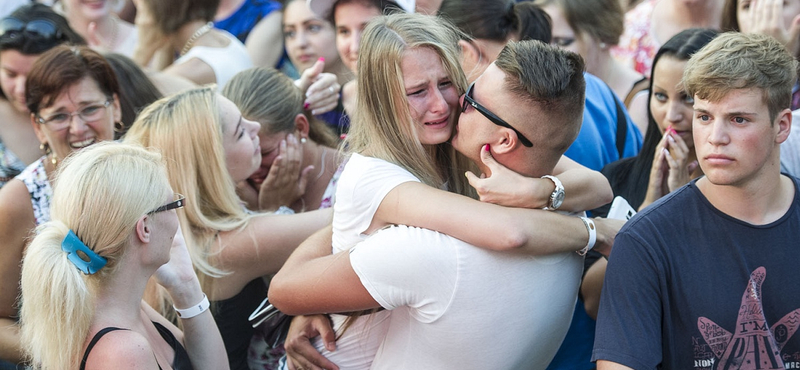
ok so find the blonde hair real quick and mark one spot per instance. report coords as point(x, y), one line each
point(270, 97)
point(99, 193)
point(187, 129)
point(735, 61)
point(383, 126)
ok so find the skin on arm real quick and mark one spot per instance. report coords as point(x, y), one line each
point(16, 223)
point(261, 248)
point(194, 70)
point(481, 224)
point(200, 335)
point(584, 188)
point(327, 282)
point(592, 285)
point(265, 42)
point(607, 365)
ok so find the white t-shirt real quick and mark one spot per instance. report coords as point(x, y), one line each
point(364, 183)
point(456, 306)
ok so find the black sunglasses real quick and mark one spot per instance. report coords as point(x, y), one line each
point(468, 100)
point(36, 30)
point(177, 203)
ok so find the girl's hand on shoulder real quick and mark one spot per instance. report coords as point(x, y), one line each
point(507, 188)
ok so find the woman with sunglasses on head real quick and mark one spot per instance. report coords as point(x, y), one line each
point(403, 170)
point(114, 226)
point(208, 148)
point(73, 97)
point(24, 35)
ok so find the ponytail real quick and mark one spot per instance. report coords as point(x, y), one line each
point(57, 304)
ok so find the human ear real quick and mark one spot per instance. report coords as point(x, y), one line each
point(143, 230)
point(783, 124)
point(302, 125)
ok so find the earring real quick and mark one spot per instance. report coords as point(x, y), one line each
point(43, 147)
point(602, 45)
point(54, 159)
point(303, 140)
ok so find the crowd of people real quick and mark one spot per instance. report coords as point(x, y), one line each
point(399, 184)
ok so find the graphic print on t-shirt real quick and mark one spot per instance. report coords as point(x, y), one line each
point(752, 345)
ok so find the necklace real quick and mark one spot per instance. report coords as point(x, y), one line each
point(196, 35)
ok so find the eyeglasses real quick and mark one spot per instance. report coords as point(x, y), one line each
point(177, 203)
point(468, 100)
point(37, 29)
point(88, 114)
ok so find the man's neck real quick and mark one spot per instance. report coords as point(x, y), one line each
point(757, 204)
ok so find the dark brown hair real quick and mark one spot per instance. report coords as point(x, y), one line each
point(171, 15)
point(62, 67)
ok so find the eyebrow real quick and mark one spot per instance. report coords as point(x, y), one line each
point(238, 124)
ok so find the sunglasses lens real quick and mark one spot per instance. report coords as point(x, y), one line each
point(10, 26)
point(41, 29)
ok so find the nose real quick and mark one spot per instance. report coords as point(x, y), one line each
point(77, 125)
point(302, 40)
point(675, 112)
point(19, 87)
point(719, 133)
point(355, 42)
point(439, 104)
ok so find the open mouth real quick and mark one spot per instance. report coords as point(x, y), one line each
point(83, 144)
point(438, 122)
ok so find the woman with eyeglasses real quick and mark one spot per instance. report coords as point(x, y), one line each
point(114, 226)
point(24, 35)
point(402, 155)
point(208, 148)
point(73, 97)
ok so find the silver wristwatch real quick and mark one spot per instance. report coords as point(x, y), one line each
point(557, 197)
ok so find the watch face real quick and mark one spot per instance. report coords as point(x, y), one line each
point(558, 199)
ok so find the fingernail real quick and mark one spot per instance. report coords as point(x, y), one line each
point(486, 148)
point(671, 139)
point(305, 106)
point(321, 59)
point(665, 151)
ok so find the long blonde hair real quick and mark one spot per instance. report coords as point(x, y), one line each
point(99, 193)
point(382, 126)
point(187, 129)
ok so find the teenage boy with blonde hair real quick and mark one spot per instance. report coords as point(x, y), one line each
point(705, 278)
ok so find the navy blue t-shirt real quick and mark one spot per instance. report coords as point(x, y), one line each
point(689, 287)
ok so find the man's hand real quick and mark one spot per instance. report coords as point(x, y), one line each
point(607, 229)
point(300, 354)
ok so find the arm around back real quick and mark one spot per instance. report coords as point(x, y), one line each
point(16, 224)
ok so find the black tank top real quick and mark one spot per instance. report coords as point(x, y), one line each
point(180, 362)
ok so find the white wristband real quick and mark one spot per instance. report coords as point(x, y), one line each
point(188, 313)
point(589, 223)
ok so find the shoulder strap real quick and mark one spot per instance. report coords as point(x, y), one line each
point(94, 341)
point(638, 86)
point(622, 124)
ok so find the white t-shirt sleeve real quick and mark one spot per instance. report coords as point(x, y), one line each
point(409, 266)
point(364, 183)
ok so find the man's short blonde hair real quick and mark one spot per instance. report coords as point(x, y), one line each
point(735, 61)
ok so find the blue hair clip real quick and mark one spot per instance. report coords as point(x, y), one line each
point(72, 244)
